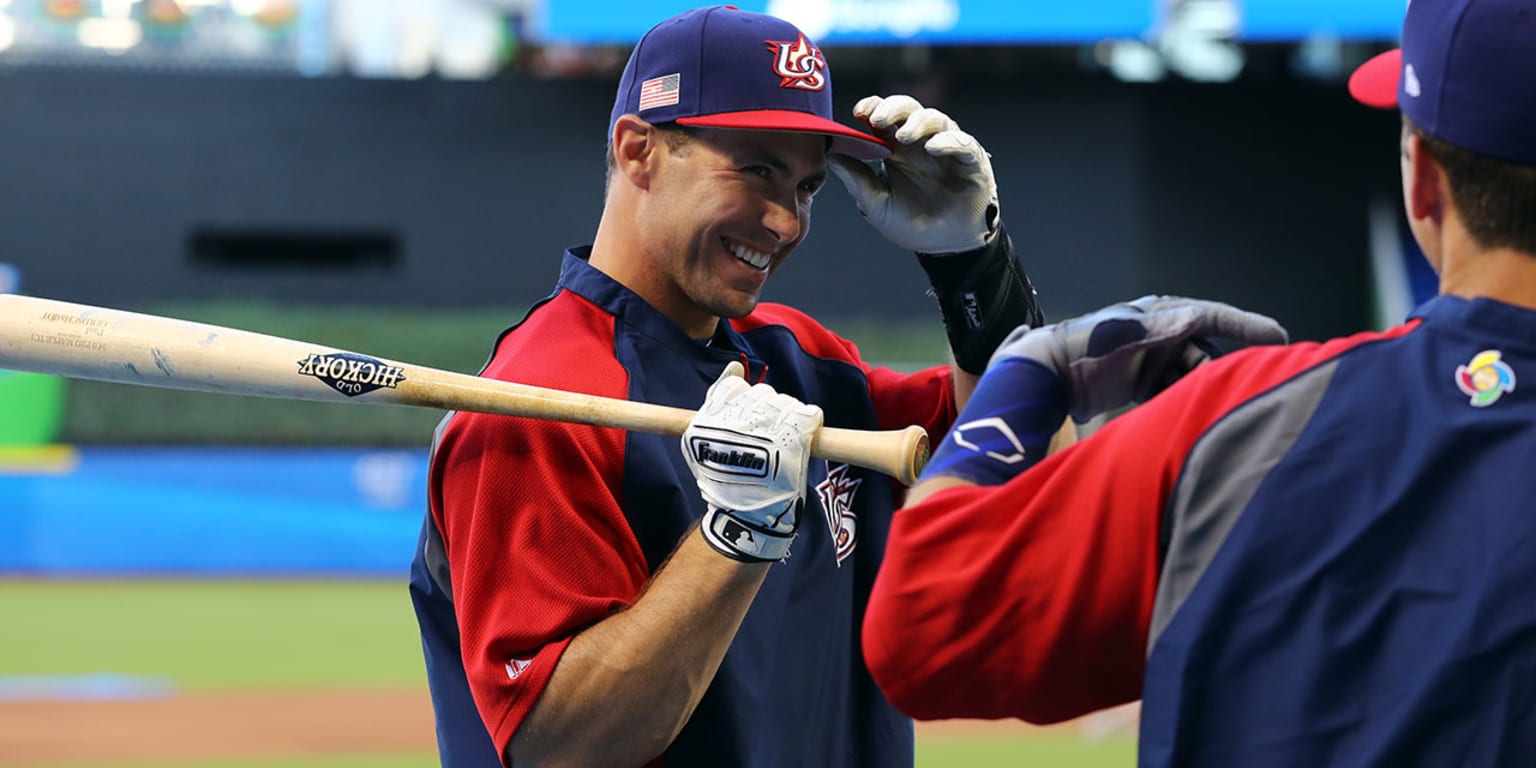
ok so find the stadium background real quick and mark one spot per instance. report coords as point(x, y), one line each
point(213, 581)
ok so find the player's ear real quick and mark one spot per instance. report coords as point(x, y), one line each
point(636, 146)
point(1425, 185)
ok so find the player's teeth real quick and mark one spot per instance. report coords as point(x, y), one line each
point(756, 259)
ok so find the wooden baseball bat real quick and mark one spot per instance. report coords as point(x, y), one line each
point(86, 342)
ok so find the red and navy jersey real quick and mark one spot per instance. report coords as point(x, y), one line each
point(1321, 554)
point(538, 529)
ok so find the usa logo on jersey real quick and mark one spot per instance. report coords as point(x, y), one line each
point(836, 494)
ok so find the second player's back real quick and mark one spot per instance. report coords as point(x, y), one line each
point(1368, 599)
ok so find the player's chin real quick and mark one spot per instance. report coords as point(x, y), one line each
point(737, 304)
point(740, 310)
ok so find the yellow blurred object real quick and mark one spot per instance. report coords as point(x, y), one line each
point(38, 459)
point(64, 10)
point(164, 13)
point(277, 14)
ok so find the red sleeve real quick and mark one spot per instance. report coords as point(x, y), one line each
point(925, 398)
point(538, 547)
point(1029, 599)
point(1033, 599)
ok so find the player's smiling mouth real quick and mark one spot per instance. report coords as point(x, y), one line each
point(756, 259)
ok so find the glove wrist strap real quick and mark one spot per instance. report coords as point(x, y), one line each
point(742, 541)
point(983, 295)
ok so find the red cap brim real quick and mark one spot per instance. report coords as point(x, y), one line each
point(845, 140)
point(1374, 84)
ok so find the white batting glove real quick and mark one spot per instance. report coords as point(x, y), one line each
point(936, 193)
point(748, 448)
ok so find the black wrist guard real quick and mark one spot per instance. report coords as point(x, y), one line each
point(983, 295)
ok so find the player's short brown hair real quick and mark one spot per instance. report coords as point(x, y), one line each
point(1496, 199)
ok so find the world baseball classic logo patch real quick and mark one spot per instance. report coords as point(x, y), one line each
point(836, 494)
point(1486, 378)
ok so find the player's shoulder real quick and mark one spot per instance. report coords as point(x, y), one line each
point(813, 337)
point(1280, 362)
point(1272, 374)
point(1247, 373)
point(565, 342)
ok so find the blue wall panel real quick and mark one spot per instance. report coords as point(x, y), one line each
point(212, 511)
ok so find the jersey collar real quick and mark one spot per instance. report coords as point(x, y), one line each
point(1510, 325)
point(581, 278)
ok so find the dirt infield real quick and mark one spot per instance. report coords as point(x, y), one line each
point(210, 726)
point(215, 726)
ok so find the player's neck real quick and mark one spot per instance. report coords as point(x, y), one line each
point(614, 255)
point(1469, 270)
point(1501, 274)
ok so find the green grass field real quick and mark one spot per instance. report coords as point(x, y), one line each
point(214, 635)
point(267, 635)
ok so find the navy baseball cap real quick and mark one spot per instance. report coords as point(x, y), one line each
point(1466, 74)
point(722, 67)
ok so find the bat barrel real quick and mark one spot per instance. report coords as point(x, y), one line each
point(85, 342)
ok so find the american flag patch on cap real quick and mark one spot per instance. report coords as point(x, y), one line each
point(659, 91)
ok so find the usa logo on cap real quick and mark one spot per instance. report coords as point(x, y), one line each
point(798, 64)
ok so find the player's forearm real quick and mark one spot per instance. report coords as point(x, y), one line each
point(965, 384)
point(1030, 599)
point(942, 630)
point(930, 485)
point(983, 295)
point(625, 686)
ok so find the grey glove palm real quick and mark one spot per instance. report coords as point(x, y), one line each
point(1126, 353)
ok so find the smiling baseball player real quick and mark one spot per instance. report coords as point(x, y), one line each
point(591, 597)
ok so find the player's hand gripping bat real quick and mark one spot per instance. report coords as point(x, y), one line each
point(86, 342)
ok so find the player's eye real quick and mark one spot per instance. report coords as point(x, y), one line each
point(810, 187)
point(762, 171)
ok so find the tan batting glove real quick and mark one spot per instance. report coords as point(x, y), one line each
point(936, 192)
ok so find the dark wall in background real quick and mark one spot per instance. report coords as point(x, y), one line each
point(125, 189)
point(1259, 196)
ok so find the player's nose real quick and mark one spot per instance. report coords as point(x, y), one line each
point(782, 218)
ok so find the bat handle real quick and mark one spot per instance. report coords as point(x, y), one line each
point(900, 453)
